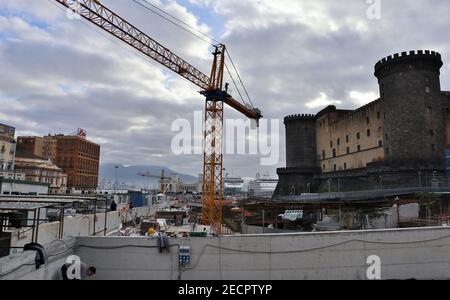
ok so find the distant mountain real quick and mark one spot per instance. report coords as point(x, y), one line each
point(129, 175)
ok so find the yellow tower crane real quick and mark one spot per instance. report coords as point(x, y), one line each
point(212, 88)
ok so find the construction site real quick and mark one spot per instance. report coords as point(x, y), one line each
point(358, 185)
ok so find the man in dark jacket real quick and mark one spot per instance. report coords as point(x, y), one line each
point(85, 272)
point(113, 206)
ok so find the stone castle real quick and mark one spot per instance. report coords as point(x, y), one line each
point(396, 141)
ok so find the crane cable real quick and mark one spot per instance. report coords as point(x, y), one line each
point(235, 85)
point(174, 23)
point(192, 33)
point(240, 78)
point(190, 30)
point(182, 22)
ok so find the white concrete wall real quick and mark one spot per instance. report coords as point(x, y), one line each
point(22, 266)
point(23, 188)
point(82, 225)
point(405, 254)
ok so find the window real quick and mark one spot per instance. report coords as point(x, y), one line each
point(359, 148)
point(368, 120)
point(334, 152)
point(335, 168)
point(430, 109)
point(378, 115)
point(368, 132)
point(387, 137)
point(380, 143)
point(348, 150)
point(358, 136)
point(427, 89)
point(433, 147)
point(338, 142)
point(347, 138)
point(323, 154)
point(324, 168)
point(331, 144)
point(431, 132)
point(345, 166)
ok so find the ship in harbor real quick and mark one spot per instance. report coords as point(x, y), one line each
point(263, 186)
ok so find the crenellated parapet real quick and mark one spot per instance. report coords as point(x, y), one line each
point(300, 117)
point(421, 60)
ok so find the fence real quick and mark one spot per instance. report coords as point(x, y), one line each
point(361, 195)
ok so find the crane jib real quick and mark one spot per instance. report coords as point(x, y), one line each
point(103, 17)
point(212, 88)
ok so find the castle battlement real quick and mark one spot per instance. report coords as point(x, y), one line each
point(301, 117)
point(425, 58)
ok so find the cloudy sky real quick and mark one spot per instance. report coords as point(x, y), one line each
point(295, 56)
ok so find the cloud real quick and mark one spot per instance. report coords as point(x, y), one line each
point(294, 56)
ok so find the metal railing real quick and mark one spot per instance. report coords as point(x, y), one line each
point(363, 195)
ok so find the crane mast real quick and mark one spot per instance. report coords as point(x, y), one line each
point(211, 86)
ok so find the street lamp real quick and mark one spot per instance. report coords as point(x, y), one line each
point(117, 179)
point(420, 179)
point(13, 183)
point(435, 181)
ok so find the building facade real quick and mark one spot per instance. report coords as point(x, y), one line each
point(45, 147)
point(175, 185)
point(7, 148)
point(398, 140)
point(75, 155)
point(80, 160)
point(43, 171)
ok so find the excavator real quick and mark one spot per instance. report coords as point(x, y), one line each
point(212, 88)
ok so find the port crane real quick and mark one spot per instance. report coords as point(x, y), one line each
point(163, 180)
point(212, 87)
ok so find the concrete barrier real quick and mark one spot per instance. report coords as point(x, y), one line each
point(405, 254)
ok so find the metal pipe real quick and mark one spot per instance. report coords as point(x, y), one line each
point(95, 216)
point(37, 226)
point(106, 217)
point(33, 227)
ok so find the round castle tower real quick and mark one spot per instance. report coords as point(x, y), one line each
point(413, 121)
point(301, 141)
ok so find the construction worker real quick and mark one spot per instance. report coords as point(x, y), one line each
point(85, 271)
point(113, 206)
